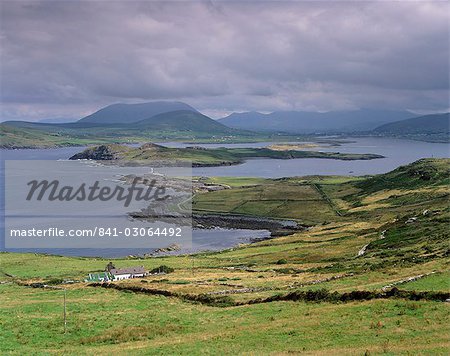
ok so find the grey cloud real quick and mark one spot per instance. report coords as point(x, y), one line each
point(67, 58)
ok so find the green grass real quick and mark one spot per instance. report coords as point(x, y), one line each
point(13, 137)
point(270, 198)
point(106, 321)
point(425, 172)
point(438, 281)
point(234, 181)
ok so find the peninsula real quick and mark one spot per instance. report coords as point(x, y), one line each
point(200, 156)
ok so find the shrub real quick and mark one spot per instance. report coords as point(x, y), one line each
point(222, 301)
point(180, 281)
point(54, 281)
point(282, 261)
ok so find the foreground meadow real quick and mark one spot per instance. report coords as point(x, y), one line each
point(107, 321)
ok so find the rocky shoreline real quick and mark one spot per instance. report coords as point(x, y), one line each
point(274, 226)
point(212, 221)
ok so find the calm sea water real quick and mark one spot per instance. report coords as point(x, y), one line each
point(397, 152)
point(202, 240)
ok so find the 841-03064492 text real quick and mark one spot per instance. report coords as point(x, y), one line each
point(98, 232)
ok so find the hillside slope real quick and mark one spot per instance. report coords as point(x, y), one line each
point(424, 172)
point(427, 124)
point(15, 137)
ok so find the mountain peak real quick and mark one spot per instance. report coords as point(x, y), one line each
point(121, 113)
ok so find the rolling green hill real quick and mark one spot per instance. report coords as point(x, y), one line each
point(436, 124)
point(26, 137)
point(425, 172)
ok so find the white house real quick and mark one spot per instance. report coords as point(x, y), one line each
point(126, 273)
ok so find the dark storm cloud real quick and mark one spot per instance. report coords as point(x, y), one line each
point(67, 58)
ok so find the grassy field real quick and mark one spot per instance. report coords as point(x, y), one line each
point(14, 137)
point(194, 310)
point(104, 322)
point(281, 199)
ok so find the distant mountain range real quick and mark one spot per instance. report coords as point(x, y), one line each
point(427, 124)
point(313, 122)
point(129, 113)
point(177, 120)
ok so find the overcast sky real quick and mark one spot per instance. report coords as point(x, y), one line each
point(67, 59)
